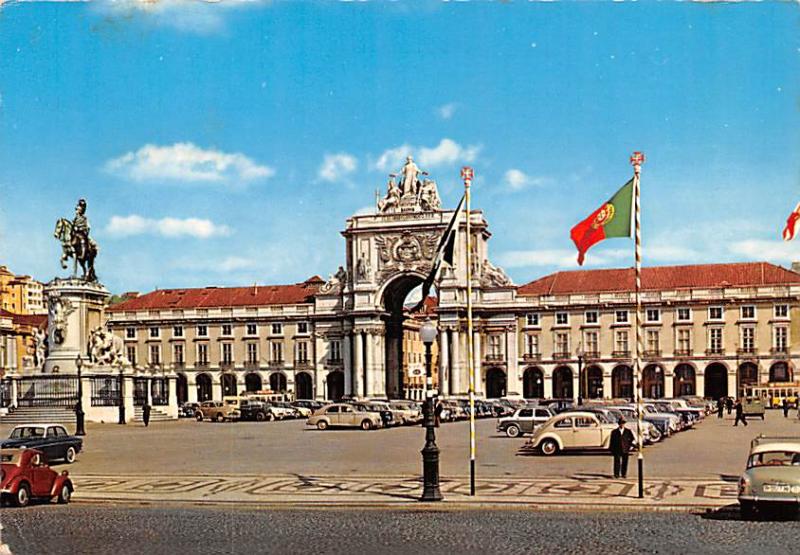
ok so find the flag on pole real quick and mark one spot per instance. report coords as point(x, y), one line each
point(791, 222)
point(612, 219)
point(444, 252)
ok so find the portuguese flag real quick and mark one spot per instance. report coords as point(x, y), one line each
point(612, 219)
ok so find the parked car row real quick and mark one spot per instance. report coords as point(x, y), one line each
point(367, 414)
point(250, 408)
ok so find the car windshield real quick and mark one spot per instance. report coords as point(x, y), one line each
point(775, 458)
point(26, 432)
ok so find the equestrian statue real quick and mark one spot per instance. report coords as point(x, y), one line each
point(76, 243)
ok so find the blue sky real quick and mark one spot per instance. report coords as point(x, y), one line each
point(227, 143)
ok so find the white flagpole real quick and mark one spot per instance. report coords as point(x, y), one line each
point(637, 159)
point(466, 174)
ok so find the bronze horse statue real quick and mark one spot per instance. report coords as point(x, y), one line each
point(81, 248)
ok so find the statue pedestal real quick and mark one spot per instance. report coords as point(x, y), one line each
point(75, 308)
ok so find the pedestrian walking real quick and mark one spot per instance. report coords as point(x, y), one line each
point(620, 445)
point(437, 412)
point(146, 414)
point(739, 413)
point(720, 407)
point(785, 407)
point(729, 404)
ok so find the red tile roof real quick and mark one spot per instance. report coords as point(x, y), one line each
point(206, 297)
point(661, 278)
point(33, 320)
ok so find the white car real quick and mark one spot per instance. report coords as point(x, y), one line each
point(572, 431)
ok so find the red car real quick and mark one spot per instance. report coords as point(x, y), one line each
point(24, 475)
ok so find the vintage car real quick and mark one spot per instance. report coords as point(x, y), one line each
point(772, 477)
point(410, 411)
point(344, 415)
point(665, 425)
point(187, 410)
point(610, 415)
point(24, 475)
point(523, 421)
point(753, 407)
point(51, 439)
point(216, 411)
point(572, 431)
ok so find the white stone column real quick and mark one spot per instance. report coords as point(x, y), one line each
point(127, 398)
point(372, 379)
point(732, 391)
point(607, 386)
point(444, 363)
point(669, 383)
point(455, 363)
point(216, 387)
point(700, 383)
point(476, 361)
point(14, 391)
point(512, 361)
point(347, 361)
point(191, 387)
point(548, 383)
point(358, 366)
point(172, 406)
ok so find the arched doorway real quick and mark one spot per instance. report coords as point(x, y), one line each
point(622, 382)
point(653, 382)
point(748, 375)
point(780, 372)
point(252, 382)
point(495, 383)
point(182, 388)
point(228, 382)
point(203, 382)
point(533, 383)
point(335, 389)
point(684, 382)
point(277, 382)
point(563, 388)
point(594, 382)
point(303, 386)
point(716, 381)
point(394, 298)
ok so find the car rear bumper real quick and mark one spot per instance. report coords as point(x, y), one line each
point(776, 499)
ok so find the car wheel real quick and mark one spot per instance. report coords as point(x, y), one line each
point(69, 456)
point(220, 418)
point(65, 494)
point(366, 425)
point(199, 416)
point(270, 417)
point(260, 417)
point(512, 431)
point(655, 436)
point(549, 447)
point(322, 425)
point(747, 509)
point(23, 495)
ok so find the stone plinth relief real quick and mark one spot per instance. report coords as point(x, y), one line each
point(59, 308)
point(410, 194)
point(106, 349)
point(492, 275)
point(335, 283)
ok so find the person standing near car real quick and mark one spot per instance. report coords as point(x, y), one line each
point(720, 407)
point(739, 413)
point(620, 445)
point(785, 407)
point(146, 414)
point(729, 404)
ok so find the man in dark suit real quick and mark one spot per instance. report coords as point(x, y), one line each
point(620, 445)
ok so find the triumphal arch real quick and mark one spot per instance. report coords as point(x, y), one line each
point(388, 254)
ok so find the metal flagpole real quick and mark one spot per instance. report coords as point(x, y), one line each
point(637, 159)
point(466, 174)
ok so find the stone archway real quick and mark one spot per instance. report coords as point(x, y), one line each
point(563, 386)
point(622, 382)
point(780, 372)
point(182, 388)
point(684, 382)
point(495, 383)
point(252, 382)
point(394, 297)
point(716, 382)
point(594, 382)
point(335, 385)
point(303, 386)
point(653, 381)
point(533, 383)
point(204, 390)
point(228, 383)
point(277, 382)
point(748, 376)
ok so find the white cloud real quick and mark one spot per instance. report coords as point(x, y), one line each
point(233, 263)
point(518, 180)
point(446, 153)
point(447, 111)
point(125, 226)
point(562, 258)
point(365, 211)
point(337, 166)
point(759, 249)
point(191, 16)
point(186, 162)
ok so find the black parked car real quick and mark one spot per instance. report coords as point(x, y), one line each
point(188, 410)
point(386, 415)
point(51, 439)
point(254, 410)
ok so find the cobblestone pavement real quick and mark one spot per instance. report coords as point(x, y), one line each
point(163, 530)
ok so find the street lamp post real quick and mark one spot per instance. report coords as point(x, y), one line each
point(80, 430)
point(581, 383)
point(430, 453)
point(121, 399)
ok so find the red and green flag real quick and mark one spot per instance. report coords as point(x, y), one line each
point(612, 219)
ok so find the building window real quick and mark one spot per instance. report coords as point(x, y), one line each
point(532, 319)
point(781, 338)
point(155, 354)
point(749, 339)
point(495, 346)
point(130, 333)
point(621, 316)
point(302, 327)
point(652, 315)
point(653, 341)
point(532, 344)
point(685, 341)
point(562, 343)
point(336, 351)
point(202, 331)
point(621, 341)
point(591, 317)
point(177, 353)
point(592, 340)
point(155, 332)
point(276, 350)
point(684, 315)
point(132, 354)
point(177, 331)
point(277, 329)
point(748, 312)
point(252, 329)
point(252, 353)
point(227, 330)
point(202, 354)
point(715, 313)
point(781, 311)
point(302, 352)
point(562, 318)
point(227, 353)
point(715, 340)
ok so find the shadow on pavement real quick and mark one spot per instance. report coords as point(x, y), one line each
point(732, 512)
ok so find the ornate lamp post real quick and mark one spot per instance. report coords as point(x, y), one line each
point(430, 453)
point(79, 425)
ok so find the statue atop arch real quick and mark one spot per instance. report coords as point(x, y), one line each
point(410, 193)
